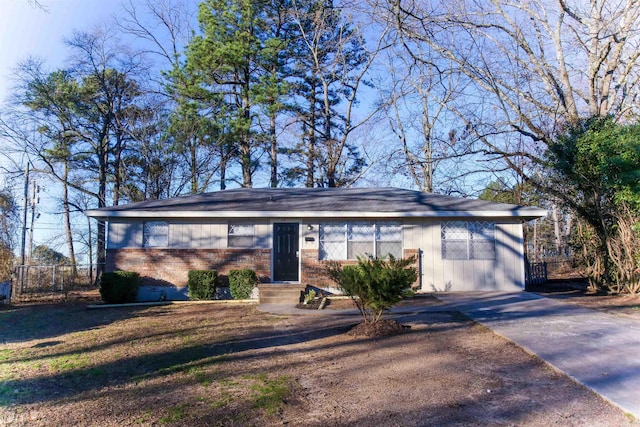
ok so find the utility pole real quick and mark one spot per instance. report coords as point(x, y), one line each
point(24, 228)
point(24, 217)
point(35, 199)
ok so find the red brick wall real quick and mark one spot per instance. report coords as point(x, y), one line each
point(407, 253)
point(171, 266)
point(313, 269)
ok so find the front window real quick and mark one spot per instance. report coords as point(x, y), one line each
point(155, 234)
point(350, 240)
point(360, 238)
point(333, 241)
point(241, 236)
point(463, 240)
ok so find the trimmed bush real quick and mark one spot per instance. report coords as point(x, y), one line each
point(118, 287)
point(242, 282)
point(202, 284)
point(375, 285)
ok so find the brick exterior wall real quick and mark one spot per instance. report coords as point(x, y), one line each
point(313, 269)
point(160, 267)
point(170, 266)
point(407, 253)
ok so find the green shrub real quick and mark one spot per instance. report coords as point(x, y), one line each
point(118, 287)
point(309, 296)
point(242, 282)
point(375, 285)
point(202, 284)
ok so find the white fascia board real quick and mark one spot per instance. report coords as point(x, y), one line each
point(525, 213)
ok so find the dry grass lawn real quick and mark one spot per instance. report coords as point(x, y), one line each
point(231, 365)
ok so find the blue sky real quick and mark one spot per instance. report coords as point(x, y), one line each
point(26, 30)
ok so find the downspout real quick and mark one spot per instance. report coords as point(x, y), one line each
point(420, 267)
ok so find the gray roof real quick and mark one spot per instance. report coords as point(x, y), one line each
point(316, 203)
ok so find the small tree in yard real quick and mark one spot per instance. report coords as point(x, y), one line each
point(375, 285)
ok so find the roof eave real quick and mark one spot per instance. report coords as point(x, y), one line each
point(525, 213)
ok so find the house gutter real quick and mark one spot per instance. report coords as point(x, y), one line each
point(527, 214)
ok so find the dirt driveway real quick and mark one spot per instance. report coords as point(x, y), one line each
point(231, 365)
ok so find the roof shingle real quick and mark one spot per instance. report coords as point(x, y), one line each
point(315, 202)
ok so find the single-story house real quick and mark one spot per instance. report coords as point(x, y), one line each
point(286, 234)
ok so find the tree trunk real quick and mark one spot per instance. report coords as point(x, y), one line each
point(193, 152)
point(90, 246)
point(332, 155)
point(556, 229)
point(245, 143)
point(117, 172)
point(67, 220)
point(103, 159)
point(311, 146)
point(223, 168)
point(274, 150)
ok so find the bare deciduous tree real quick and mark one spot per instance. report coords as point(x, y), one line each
point(420, 100)
point(535, 65)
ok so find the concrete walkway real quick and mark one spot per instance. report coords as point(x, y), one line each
point(598, 350)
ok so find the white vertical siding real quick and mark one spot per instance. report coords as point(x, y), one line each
point(176, 236)
point(199, 234)
point(203, 239)
point(436, 280)
point(219, 234)
point(509, 238)
point(263, 235)
point(505, 273)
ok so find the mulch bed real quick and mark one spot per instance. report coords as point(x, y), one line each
point(314, 304)
point(333, 303)
point(381, 328)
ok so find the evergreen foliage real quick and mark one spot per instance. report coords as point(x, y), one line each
point(596, 169)
point(44, 255)
point(231, 73)
point(202, 284)
point(242, 282)
point(375, 285)
point(327, 61)
point(119, 287)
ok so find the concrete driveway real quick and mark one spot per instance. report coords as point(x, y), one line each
point(598, 350)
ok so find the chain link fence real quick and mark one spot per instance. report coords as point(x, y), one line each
point(6, 268)
point(6, 264)
point(36, 282)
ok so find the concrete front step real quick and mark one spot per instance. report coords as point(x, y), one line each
point(280, 293)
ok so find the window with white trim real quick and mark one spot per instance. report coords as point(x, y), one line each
point(333, 241)
point(155, 234)
point(350, 240)
point(241, 236)
point(463, 240)
point(360, 238)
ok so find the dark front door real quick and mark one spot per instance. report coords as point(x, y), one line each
point(285, 252)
